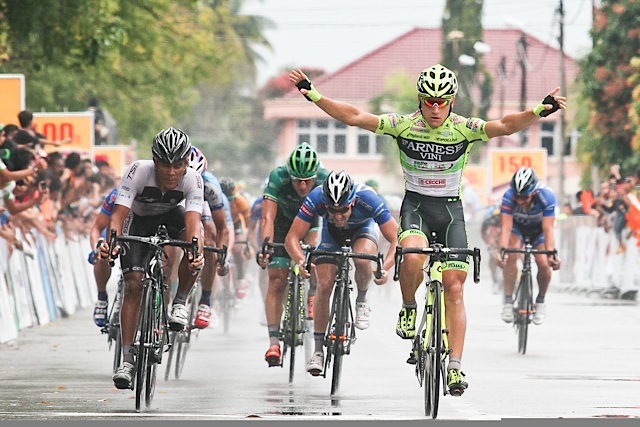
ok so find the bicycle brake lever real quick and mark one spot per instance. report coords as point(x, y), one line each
point(378, 273)
point(112, 246)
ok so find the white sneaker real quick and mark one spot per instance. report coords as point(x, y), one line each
point(363, 312)
point(540, 313)
point(507, 312)
point(179, 317)
point(315, 365)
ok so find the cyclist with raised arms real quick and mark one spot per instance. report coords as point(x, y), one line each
point(434, 146)
point(287, 187)
point(216, 233)
point(150, 194)
point(528, 211)
point(349, 211)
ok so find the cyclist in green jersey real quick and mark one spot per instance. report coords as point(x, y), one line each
point(286, 190)
point(434, 146)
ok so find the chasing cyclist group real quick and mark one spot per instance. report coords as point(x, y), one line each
point(302, 200)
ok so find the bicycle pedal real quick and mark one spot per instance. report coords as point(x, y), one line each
point(412, 360)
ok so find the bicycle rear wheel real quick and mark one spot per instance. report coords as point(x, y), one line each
point(525, 309)
point(433, 350)
point(184, 338)
point(143, 336)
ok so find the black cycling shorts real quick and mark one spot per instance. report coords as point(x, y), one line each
point(422, 215)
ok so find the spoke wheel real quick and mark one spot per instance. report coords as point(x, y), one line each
point(292, 327)
point(523, 314)
point(172, 349)
point(433, 365)
point(144, 335)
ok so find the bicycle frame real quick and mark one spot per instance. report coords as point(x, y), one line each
point(523, 296)
point(430, 346)
point(341, 334)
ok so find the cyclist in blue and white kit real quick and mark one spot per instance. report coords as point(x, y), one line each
point(215, 218)
point(350, 211)
point(527, 212)
point(101, 268)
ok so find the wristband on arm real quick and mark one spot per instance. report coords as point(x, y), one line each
point(548, 100)
point(312, 94)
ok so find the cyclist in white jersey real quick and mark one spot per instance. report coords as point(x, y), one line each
point(434, 145)
point(150, 194)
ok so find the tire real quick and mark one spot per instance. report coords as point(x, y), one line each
point(172, 349)
point(184, 337)
point(433, 365)
point(342, 307)
point(294, 317)
point(117, 350)
point(524, 311)
point(226, 301)
point(144, 334)
point(157, 339)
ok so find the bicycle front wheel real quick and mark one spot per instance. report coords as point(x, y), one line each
point(433, 351)
point(340, 333)
point(292, 328)
point(157, 341)
point(172, 349)
point(524, 312)
point(143, 336)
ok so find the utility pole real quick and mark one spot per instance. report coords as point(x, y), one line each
point(522, 53)
point(561, 132)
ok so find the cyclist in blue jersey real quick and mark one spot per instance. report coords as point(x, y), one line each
point(528, 211)
point(349, 211)
point(101, 268)
point(216, 233)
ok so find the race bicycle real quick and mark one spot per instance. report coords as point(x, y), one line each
point(294, 324)
point(523, 298)
point(151, 337)
point(430, 346)
point(341, 333)
point(180, 341)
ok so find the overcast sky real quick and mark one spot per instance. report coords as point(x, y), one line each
point(331, 33)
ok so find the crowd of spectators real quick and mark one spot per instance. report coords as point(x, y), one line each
point(615, 206)
point(55, 192)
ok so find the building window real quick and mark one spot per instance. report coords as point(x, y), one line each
point(380, 141)
point(322, 144)
point(547, 136)
point(304, 124)
point(340, 144)
point(363, 144)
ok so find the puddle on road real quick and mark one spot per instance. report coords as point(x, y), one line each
point(580, 378)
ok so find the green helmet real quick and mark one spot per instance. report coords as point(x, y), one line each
point(372, 183)
point(303, 162)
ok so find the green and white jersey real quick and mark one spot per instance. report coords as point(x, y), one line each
point(433, 159)
point(7, 191)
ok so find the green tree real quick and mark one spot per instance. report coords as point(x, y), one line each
point(608, 80)
point(461, 29)
point(144, 60)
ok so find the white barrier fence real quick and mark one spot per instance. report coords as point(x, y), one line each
point(47, 281)
point(591, 262)
point(44, 282)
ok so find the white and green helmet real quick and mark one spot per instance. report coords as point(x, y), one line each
point(437, 82)
point(303, 162)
